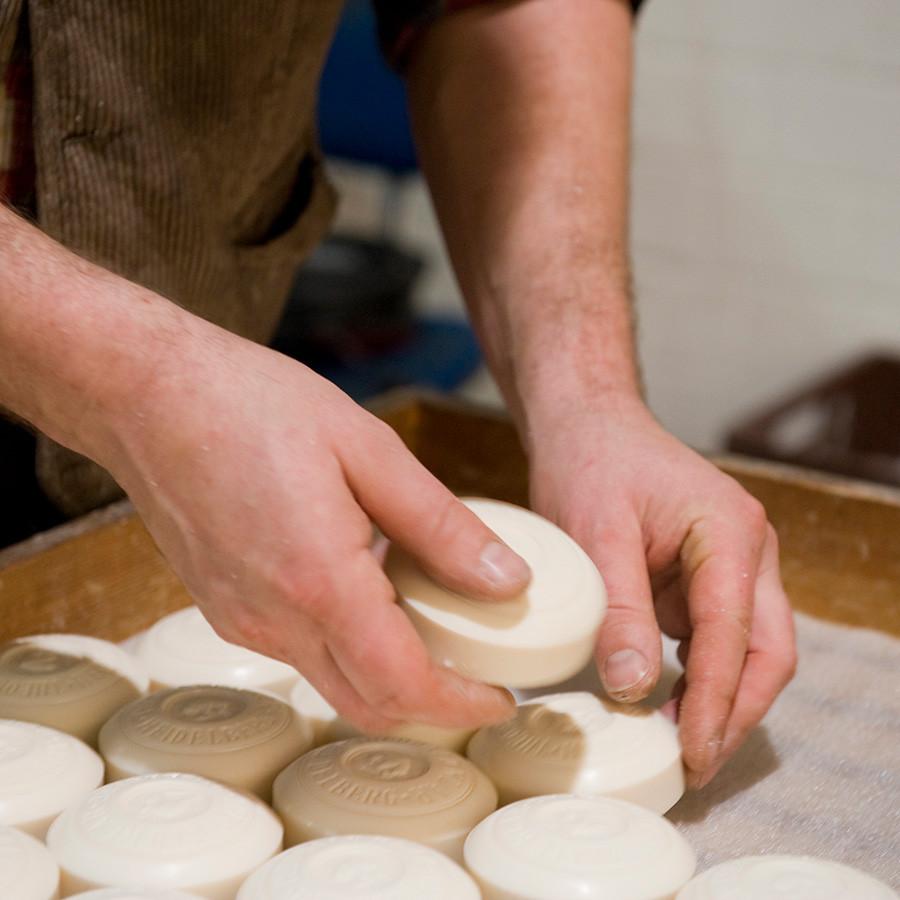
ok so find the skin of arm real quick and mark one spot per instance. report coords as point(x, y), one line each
point(521, 114)
point(258, 479)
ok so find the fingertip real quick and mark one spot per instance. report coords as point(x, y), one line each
point(502, 572)
point(628, 675)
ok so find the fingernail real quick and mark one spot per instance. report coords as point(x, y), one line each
point(502, 567)
point(624, 669)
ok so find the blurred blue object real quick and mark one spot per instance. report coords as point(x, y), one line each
point(362, 103)
point(439, 354)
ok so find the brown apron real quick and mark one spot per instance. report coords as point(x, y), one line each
point(175, 145)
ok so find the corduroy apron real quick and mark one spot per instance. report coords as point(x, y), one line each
point(175, 145)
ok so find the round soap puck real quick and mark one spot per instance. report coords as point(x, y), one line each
point(42, 772)
point(360, 867)
point(383, 786)
point(70, 682)
point(138, 894)
point(543, 636)
point(561, 846)
point(241, 738)
point(182, 648)
point(27, 870)
point(170, 830)
point(784, 878)
point(575, 743)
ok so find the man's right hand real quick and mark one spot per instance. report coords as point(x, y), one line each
point(258, 479)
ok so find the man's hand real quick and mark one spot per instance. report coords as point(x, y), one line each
point(522, 116)
point(684, 548)
point(258, 480)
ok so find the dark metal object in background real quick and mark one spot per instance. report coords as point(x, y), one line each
point(847, 423)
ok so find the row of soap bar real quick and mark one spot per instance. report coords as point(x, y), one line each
point(545, 848)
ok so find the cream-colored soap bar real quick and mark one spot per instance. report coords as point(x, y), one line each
point(785, 878)
point(241, 738)
point(390, 787)
point(137, 894)
point(575, 743)
point(70, 682)
point(561, 846)
point(544, 636)
point(360, 867)
point(182, 648)
point(42, 772)
point(27, 870)
point(172, 831)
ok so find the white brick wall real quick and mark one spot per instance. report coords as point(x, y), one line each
point(766, 218)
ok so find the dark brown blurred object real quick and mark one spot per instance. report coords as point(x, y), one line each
point(847, 423)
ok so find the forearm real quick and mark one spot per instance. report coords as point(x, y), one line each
point(521, 116)
point(77, 343)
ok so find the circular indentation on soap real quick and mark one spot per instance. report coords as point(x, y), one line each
point(27, 870)
point(576, 743)
point(242, 738)
point(163, 831)
point(42, 772)
point(398, 778)
point(204, 719)
point(562, 845)
point(360, 867)
point(779, 877)
point(543, 636)
point(182, 648)
point(33, 674)
point(69, 682)
point(391, 787)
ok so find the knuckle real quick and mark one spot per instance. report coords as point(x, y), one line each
point(754, 513)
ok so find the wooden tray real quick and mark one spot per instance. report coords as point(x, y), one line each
point(102, 574)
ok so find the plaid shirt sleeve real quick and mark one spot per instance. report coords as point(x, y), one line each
point(400, 22)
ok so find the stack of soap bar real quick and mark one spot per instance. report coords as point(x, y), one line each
point(27, 870)
point(241, 738)
point(169, 831)
point(360, 867)
point(394, 788)
point(789, 877)
point(69, 682)
point(561, 846)
point(545, 635)
point(182, 648)
point(578, 744)
point(42, 772)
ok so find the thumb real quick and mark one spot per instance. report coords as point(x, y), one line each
point(419, 514)
point(629, 649)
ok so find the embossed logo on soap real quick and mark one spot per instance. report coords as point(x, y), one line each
point(162, 816)
point(389, 776)
point(552, 734)
point(337, 870)
point(29, 758)
point(569, 833)
point(32, 673)
point(205, 718)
